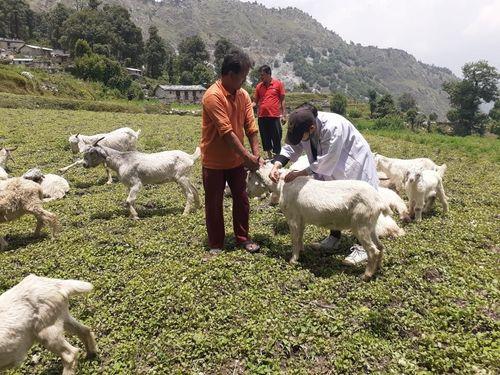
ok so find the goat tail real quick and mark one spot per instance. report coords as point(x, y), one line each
point(441, 169)
point(197, 154)
point(70, 287)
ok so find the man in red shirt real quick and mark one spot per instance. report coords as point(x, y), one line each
point(270, 99)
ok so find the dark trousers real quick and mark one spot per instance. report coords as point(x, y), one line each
point(214, 182)
point(270, 133)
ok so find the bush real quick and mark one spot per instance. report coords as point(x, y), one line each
point(354, 113)
point(338, 104)
point(391, 122)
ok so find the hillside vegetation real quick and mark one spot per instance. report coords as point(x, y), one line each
point(271, 35)
point(163, 305)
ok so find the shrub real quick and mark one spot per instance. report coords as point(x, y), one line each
point(338, 103)
point(391, 122)
point(354, 113)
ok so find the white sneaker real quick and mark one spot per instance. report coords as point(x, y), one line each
point(358, 255)
point(215, 251)
point(329, 243)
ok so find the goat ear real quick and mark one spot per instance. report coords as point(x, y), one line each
point(99, 140)
point(405, 178)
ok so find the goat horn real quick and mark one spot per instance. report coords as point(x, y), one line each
point(99, 140)
point(11, 149)
point(77, 134)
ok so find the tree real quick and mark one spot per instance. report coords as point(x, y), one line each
point(192, 51)
point(55, 20)
point(479, 84)
point(82, 48)
point(155, 53)
point(222, 47)
point(385, 106)
point(16, 20)
point(372, 99)
point(338, 103)
point(406, 102)
point(411, 117)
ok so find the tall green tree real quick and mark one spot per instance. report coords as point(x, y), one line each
point(480, 83)
point(155, 53)
point(372, 99)
point(338, 104)
point(385, 106)
point(192, 65)
point(222, 47)
point(16, 20)
point(55, 20)
point(406, 102)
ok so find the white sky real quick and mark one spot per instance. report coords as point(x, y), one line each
point(446, 33)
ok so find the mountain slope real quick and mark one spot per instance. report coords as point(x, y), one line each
point(270, 33)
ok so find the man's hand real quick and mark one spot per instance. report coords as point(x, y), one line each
point(294, 174)
point(274, 175)
point(253, 162)
point(283, 120)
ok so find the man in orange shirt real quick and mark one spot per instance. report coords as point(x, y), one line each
point(227, 117)
point(270, 101)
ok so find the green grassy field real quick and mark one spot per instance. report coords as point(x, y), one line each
point(162, 305)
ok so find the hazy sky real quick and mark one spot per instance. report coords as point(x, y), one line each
point(446, 33)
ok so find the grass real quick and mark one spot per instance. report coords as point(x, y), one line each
point(162, 305)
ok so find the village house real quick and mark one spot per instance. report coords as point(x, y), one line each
point(32, 51)
point(11, 44)
point(134, 72)
point(179, 93)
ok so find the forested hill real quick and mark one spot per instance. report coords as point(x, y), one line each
point(297, 46)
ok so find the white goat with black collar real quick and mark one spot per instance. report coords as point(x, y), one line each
point(136, 169)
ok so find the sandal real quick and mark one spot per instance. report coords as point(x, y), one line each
point(249, 246)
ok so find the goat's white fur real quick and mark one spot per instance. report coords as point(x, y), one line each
point(3, 174)
point(338, 204)
point(422, 187)
point(395, 169)
point(53, 185)
point(136, 169)
point(19, 196)
point(122, 139)
point(36, 310)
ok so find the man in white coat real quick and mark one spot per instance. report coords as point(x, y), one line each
point(336, 151)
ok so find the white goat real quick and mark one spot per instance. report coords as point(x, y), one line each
point(422, 187)
point(339, 204)
point(5, 155)
point(37, 309)
point(122, 139)
point(19, 196)
point(395, 169)
point(136, 169)
point(53, 186)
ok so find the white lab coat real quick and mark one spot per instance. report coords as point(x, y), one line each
point(342, 152)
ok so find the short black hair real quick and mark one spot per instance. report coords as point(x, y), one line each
point(299, 122)
point(235, 61)
point(265, 69)
point(309, 106)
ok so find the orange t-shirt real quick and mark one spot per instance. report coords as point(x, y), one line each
point(222, 113)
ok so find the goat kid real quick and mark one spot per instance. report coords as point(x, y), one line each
point(37, 309)
point(422, 187)
point(136, 169)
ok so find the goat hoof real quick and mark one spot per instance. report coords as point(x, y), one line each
point(366, 277)
point(294, 262)
point(135, 218)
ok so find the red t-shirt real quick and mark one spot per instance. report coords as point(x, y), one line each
point(268, 98)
